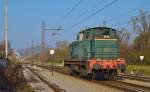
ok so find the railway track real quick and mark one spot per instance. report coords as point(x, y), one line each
point(129, 87)
point(135, 77)
point(53, 86)
point(125, 86)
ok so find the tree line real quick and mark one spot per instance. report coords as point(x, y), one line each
point(141, 42)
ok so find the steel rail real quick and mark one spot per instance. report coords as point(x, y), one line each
point(51, 85)
point(135, 77)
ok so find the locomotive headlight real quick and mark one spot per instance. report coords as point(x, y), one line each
point(98, 59)
point(107, 36)
point(118, 59)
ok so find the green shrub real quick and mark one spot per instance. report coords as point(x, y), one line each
point(138, 69)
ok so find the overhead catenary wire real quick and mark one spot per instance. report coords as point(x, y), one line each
point(89, 9)
point(128, 20)
point(68, 13)
point(114, 25)
point(123, 15)
point(93, 14)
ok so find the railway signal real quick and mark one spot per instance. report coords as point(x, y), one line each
point(52, 53)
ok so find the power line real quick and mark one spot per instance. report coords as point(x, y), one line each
point(87, 10)
point(126, 21)
point(114, 25)
point(123, 15)
point(93, 14)
point(71, 10)
point(121, 23)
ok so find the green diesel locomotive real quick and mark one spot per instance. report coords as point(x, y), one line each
point(95, 54)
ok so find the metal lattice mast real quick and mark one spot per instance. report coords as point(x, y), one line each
point(43, 44)
point(43, 41)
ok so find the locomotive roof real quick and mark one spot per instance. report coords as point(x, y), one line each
point(97, 28)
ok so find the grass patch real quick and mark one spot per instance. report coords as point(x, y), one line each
point(56, 63)
point(139, 69)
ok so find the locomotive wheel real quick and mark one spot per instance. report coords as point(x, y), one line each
point(105, 74)
point(89, 76)
point(73, 73)
point(98, 75)
point(113, 74)
point(122, 70)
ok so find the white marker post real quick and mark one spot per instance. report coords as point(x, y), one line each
point(141, 58)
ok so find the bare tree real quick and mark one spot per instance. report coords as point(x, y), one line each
point(123, 34)
point(142, 29)
point(123, 37)
point(62, 49)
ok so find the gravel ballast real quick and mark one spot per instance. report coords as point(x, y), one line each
point(71, 84)
point(35, 82)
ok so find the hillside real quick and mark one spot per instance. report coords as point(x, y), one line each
point(26, 52)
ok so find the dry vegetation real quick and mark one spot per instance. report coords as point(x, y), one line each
point(13, 79)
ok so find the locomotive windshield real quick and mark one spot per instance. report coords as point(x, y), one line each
point(102, 32)
point(99, 32)
point(105, 32)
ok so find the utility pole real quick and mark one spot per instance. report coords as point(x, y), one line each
point(43, 43)
point(32, 51)
point(6, 28)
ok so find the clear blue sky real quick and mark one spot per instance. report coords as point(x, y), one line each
point(25, 17)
